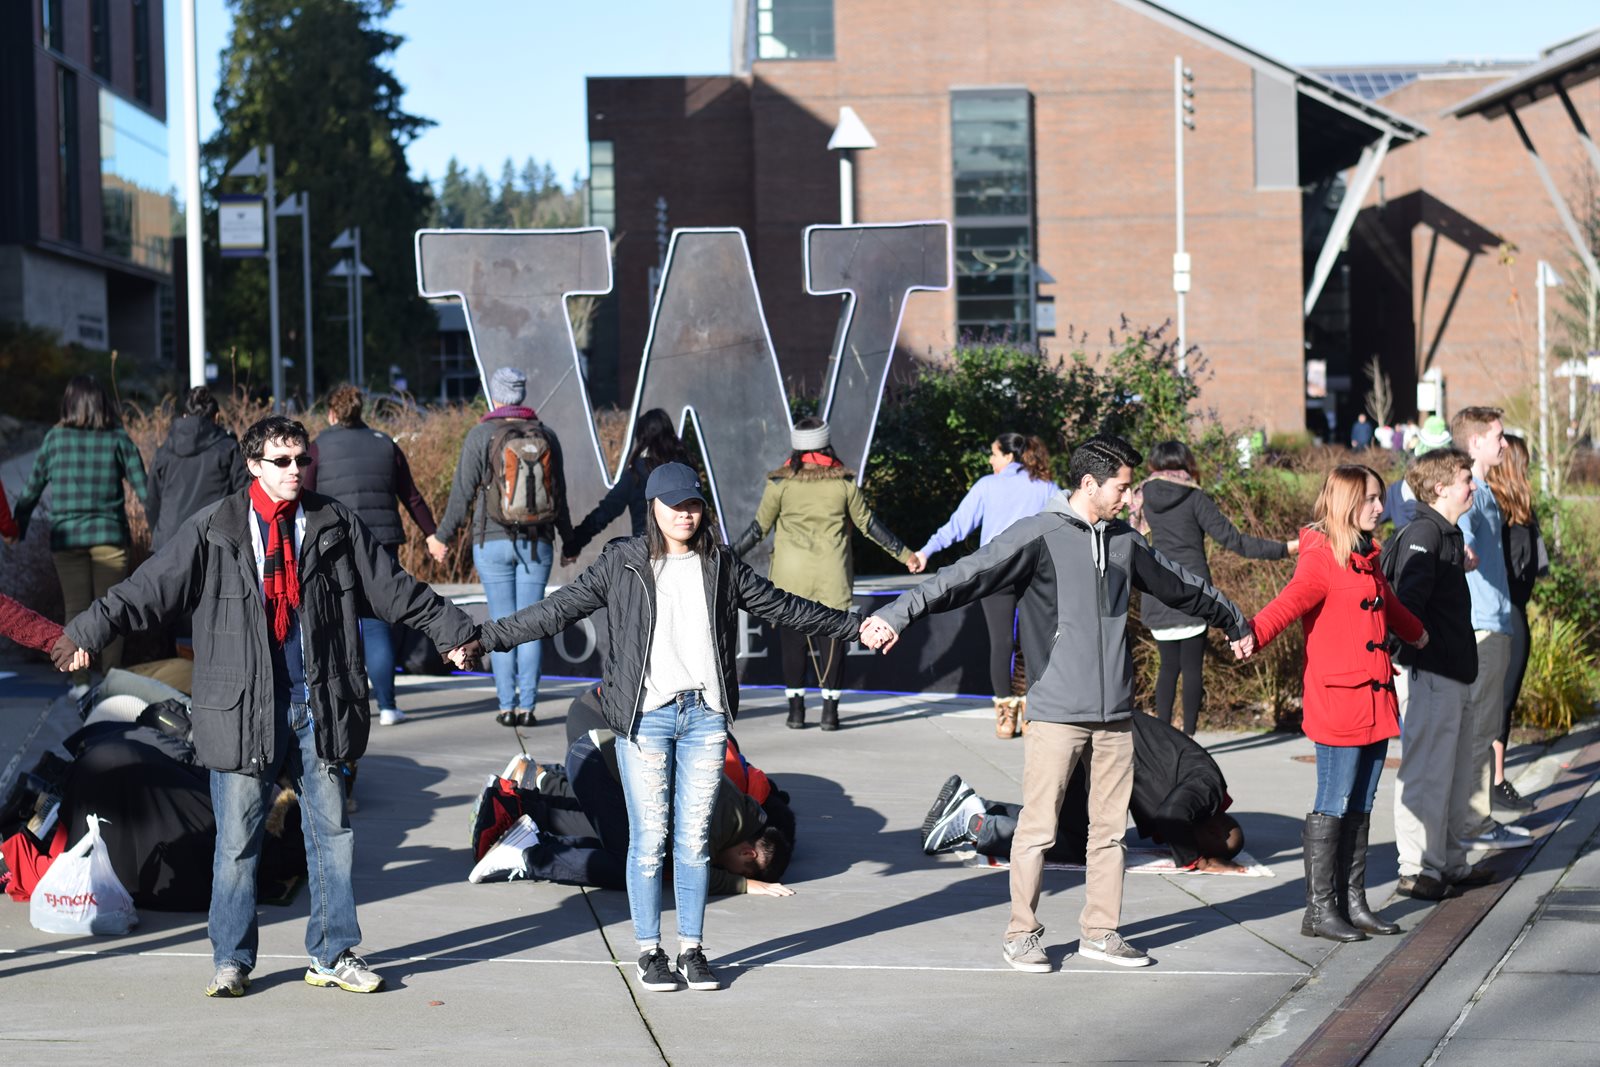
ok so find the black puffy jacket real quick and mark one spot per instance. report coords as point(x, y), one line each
point(198, 464)
point(355, 466)
point(620, 581)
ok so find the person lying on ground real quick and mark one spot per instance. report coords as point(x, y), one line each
point(1180, 799)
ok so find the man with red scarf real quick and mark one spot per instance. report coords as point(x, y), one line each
point(277, 580)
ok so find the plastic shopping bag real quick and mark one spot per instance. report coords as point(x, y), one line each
point(80, 893)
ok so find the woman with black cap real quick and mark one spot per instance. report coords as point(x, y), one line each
point(813, 500)
point(672, 600)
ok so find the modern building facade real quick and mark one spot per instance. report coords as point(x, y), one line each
point(85, 201)
point(1045, 131)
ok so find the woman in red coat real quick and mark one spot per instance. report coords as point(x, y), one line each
point(1350, 708)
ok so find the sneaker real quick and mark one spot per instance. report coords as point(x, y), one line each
point(229, 981)
point(1479, 875)
point(1505, 795)
point(349, 972)
point(1422, 887)
point(655, 971)
point(946, 824)
point(1499, 836)
point(694, 970)
point(1112, 949)
point(1026, 954)
point(390, 716)
point(517, 768)
point(505, 862)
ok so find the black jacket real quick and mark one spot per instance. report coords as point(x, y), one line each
point(1425, 564)
point(209, 569)
point(1072, 581)
point(626, 495)
point(198, 464)
point(1181, 517)
point(1177, 786)
point(1526, 559)
point(355, 466)
point(620, 581)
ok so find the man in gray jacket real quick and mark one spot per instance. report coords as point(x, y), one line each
point(1072, 567)
point(276, 580)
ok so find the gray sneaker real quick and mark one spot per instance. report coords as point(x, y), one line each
point(945, 826)
point(229, 981)
point(1025, 953)
point(1112, 949)
point(349, 972)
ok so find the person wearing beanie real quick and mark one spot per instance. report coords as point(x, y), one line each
point(513, 562)
point(813, 502)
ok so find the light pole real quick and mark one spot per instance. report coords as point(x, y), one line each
point(352, 270)
point(1544, 278)
point(194, 216)
point(300, 204)
point(252, 166)
point(850, 136)
point(1182, 119)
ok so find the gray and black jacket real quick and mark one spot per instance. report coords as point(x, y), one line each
point(209, 569)
point(621, 582)
point(1072, 580)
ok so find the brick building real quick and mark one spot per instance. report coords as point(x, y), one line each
point(85, 210)
point(1044, 130)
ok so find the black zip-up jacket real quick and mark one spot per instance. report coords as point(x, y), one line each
point(620, 581)
point(198, 464)
point(627, 495)
point(1181, 517)
point(1072, 581)
point(1426, 565)
point(209, 569)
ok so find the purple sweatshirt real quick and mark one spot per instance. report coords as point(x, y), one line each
point(996, 501)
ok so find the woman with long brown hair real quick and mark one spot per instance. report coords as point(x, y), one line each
point(1526, 562)
point(1350, 712)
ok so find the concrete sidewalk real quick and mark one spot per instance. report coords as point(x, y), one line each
point(884, 954)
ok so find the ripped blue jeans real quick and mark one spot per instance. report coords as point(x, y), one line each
point(671, 769)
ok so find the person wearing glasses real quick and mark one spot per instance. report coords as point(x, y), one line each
point(277, 580)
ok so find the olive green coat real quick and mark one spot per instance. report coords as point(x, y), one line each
point(813, 512)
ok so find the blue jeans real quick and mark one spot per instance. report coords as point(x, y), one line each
point(1347, 777)
point(514, 574)
point(672, 765)
point(378, 645)
point(241, 802)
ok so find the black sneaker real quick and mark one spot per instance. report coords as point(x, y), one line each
point(1505, 796)
point(694, 969)
point(655, 971)
point(1423, 887)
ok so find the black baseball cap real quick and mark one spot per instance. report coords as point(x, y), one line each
point(673, 483)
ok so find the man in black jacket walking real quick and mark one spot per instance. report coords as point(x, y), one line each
point(1072, 567)
point(275, 579)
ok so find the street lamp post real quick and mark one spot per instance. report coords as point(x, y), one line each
point(194, 215)
point(850, 136)
point(300, 204)
point(1545, 277)
point(1182, 119)
point(352, 270)
point(252, 166)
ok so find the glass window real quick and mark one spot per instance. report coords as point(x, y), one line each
point(991, 138)
point(141, 50)
point(794, 29)
point(135, 204)
point(53, 28)
point(68, 180)
point(100, 37)
point(602, 184)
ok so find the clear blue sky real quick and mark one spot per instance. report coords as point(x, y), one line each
point(506, 77)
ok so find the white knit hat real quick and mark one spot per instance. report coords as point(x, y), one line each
point(809, 440)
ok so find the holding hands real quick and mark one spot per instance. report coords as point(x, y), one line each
point(917, 563)
point(67, 656)
point(467, 657)
point(1244, 647)
point(437, 549)
point(877, 634)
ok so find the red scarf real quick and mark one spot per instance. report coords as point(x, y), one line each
point(821, 459)
point(280, 578)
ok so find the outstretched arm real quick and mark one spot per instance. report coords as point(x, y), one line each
point(959, 526)
point(1169, 583)
point(1305, 591)
point(869, 524)
point(766, 601)
point(766, 515)
point(1007, 562)
point(1222, 530)
point(578, 599)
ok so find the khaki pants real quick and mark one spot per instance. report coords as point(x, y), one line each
point(1426, 789)
point(1050, 752)
point(1484, 712)
point(85, 575)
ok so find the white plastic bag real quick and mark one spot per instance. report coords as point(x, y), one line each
point(80, 893)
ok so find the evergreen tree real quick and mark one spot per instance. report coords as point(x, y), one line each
point(312, 78)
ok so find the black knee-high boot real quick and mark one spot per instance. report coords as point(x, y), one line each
point(1320, 842)
point(1352, 875)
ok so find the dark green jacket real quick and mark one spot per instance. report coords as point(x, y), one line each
point(84, 470)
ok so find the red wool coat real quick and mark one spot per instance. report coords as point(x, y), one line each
point(1349, 681)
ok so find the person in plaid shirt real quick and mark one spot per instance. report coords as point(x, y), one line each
point(84, 459)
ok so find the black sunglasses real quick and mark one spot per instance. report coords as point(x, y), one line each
point(302, 460)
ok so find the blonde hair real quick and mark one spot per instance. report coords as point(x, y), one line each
point(1343, 492)
point(1509, 480)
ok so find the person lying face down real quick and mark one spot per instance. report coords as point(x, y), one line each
point(1180, 799)
point(579, 820)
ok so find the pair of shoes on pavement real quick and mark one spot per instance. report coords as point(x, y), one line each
point(349, 972)
point(1504, 795)
point(692, 969)
point(1026, 953)
point(948, 822)
point(1499, 835)
point(390, 716)
point(515, 718)
point(507, 860)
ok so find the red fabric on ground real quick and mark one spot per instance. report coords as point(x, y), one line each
point(27, 864)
